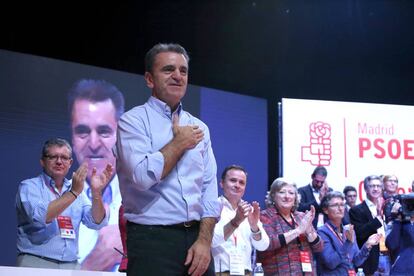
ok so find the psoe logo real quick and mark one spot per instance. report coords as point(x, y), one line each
point(318, 152)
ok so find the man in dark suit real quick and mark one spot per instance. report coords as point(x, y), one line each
point(350, 194)
point(312, 194)
point(367, 220)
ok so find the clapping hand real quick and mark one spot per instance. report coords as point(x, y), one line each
point(349, 232)
point(243, 211)
point(254, 215)
point(305, 224)
point(374, 239)
point(99, 182)
point(78, 178)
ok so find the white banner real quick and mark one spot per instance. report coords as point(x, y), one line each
point(352, 140)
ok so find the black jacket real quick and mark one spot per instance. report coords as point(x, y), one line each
point(365, 225)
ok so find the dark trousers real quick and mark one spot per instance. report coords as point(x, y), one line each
point(160, 250)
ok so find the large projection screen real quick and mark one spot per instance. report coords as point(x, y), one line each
point(353, 140)
point(34, 109)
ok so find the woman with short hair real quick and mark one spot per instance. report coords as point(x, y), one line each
point(341, 254)
point(293, 240)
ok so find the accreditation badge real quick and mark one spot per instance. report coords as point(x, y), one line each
point(305, 260)
point(66, 227)
point(351, 272)
point(236, 262)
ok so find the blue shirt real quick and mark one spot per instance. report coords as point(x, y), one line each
point(339, 254)
point(188, 192)
point(37, 237)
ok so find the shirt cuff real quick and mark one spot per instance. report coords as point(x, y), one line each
point(156, 164)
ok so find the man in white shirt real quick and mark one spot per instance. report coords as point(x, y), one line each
point(239, 229)
point(95, 107)
point(367, 220)
point(311, 195)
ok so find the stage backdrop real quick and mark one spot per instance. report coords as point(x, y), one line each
point(353, 140)
point(34, 109)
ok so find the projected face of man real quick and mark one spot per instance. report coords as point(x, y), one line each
point(94, 127)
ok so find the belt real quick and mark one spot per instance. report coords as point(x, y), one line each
point(186, 224)
point(227, 272)
point(181, 225)
point(48, 259)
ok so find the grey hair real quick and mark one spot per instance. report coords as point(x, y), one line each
point(162, 48)
point(276, 186)
point(55, 142)
point(369, 178)
point(329, 196)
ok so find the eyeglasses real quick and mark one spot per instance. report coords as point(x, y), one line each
point(375, 186)
point(351, 196)
point(54, 158)
point(337, 205)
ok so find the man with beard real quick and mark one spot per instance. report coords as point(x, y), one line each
point(312, 194)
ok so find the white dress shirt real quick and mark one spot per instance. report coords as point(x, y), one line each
point(242, 236)
point(373, 208)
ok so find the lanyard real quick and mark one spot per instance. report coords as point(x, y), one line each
point(341, 240)
point(235, 239)
point(293, 226)
point(51, 188)
point(336, 234)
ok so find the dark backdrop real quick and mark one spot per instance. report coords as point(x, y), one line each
point(351, 50)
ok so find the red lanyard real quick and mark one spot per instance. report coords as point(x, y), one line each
point(350, 271)
point(336, 234)
point(293, 225)
point(300, 238)
point(51, 188)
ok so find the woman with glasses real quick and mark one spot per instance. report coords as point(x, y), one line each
point(341, 254)
point(292, 236)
